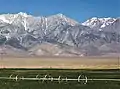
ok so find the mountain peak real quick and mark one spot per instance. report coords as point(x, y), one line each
point(9, 18)
point(94, 18)
point(95, 22)
point(23, 14)
point(61, 15)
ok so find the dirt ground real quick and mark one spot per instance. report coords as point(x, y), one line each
point(60, 62)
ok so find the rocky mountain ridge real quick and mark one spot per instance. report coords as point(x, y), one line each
point(65, 36)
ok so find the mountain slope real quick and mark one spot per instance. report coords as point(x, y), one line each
point(58, 35)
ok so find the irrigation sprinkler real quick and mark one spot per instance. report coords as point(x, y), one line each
point(16, 78)
point(43, 79)
point(52, 78)
point(37, 76)
point(59, 79)
point(10, 76)
point(81, 79)
point(66, 79)
point(22, 78)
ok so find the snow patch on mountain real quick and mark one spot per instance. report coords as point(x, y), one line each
point(99, 23)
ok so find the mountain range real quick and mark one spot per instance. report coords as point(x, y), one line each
point(57, 35)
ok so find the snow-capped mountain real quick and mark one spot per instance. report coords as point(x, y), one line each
point(65, 36)
point(99, 23)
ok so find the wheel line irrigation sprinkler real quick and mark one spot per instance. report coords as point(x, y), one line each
point(45, 78)
point(81, 79)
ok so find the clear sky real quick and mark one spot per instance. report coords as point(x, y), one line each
point(79, 10)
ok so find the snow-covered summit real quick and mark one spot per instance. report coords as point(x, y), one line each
point(99, 22)
point(9, 18)
point(63, 18)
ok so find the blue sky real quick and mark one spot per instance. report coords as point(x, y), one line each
point(79, 10)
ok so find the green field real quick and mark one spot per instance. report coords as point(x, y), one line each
point(70, 73)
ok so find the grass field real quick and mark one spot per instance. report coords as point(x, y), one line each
point(70, 73)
